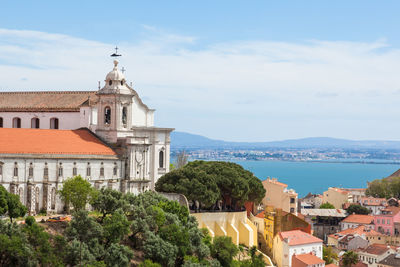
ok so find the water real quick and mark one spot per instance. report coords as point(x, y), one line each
point(316, 177)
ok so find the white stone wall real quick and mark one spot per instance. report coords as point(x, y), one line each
point(23, 181)
point(66, 120)
point(315, 248)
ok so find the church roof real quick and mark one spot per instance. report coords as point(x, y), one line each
point(58, 101)
point(53, 142)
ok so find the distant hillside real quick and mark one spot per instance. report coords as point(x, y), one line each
point(180, 140)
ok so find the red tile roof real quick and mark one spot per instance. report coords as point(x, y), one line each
point(331, 265)
point(57, 101)
point(297, 237)
point(372, 201)
point(357, 218)
point(376, 249)
point(308, 259)
point(40, 141)
point(360, 230)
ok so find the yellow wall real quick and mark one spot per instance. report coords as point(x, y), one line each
point(233, 224)
point(335, 197)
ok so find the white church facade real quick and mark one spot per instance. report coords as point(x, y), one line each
point(106, 136)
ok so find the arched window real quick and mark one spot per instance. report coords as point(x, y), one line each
point(74, 170)
point(16, 122)
point(60, 170)
point(54, 123)
point(15, 169)
point(115, 169)
point(124, 115)
point(102, 170)
point(88, 170)
point(35, 123)
point(1, 122)
point(30, 172)
point(46, 170)
point(161, 159)
point(107, 115)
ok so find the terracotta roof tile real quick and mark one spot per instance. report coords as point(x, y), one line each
point(40, 141)
point(360, 230)
point(376, 249)
point(331, 265)
point(309, 259)
point(297, 237)
point(57, 101)
point(357, 218)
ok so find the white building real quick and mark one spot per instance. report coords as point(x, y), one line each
point(117, 144)
point(296, 242)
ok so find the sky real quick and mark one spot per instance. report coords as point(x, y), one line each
point(230, 70)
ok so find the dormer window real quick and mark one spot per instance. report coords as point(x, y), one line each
point(107, 115)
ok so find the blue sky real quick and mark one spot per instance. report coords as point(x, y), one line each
point(233, 70)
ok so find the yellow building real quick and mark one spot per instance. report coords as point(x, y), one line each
point(339, 196)
point(277, 195)
point(233, 224)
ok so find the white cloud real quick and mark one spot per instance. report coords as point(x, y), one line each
point(242, 90)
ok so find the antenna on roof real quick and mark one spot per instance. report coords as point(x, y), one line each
point(116, 53)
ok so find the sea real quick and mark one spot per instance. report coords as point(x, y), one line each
point(316, 177)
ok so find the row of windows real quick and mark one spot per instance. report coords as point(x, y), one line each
point(60, 170)
point(107, 115)
point(378, 221)
point(35, 123)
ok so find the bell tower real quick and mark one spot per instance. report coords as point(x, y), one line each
point(114, 107)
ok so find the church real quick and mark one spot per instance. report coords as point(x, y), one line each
point(106, 136)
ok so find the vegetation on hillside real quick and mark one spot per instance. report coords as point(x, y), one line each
point(146, 227)
point(357, 209)
point(327, 205)
point(384, 188)
point(213, 183)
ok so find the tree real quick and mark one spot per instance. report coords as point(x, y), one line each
point(327, 205)
point(14, 207)
point(115, 227)
point(107, 201)
point(181, 159)
point(357, 209)
point(213, 184)
point(349, 258)
point(77, 192)
point(328, 255)
point(3, 200)
point(84, 228)
point(224, 250)
point(117, 255)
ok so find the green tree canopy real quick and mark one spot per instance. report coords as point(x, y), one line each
point(327, 205)
point(208, 182)
point(77, 192)
point(15, 208)
point(224, 250)
point(349, 258)
point(329, 255)
point(357, 209)
point(384, 188)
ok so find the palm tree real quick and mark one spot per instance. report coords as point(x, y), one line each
point(349, 258)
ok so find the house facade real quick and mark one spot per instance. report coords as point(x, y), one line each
point(279, 196)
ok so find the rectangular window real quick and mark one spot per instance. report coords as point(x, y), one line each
point(1, 169)
point(60, 172)
point(388, 221)
point(46, 172)
point(15, 171)
point(101, 172)
point(30, 172)
point(115, 171)
point(292, 200)
point(291, 210)
point(74, 171)
point(378, 221)
point(88, 171)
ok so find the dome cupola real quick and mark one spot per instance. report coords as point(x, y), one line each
point(115, 82)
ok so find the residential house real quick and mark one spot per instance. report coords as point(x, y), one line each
point(374, 253)
point(307, 260)
point(355, 220)
point(388, 221)
point(370, 235)
point(277, 220)
point(289, 243)
point(393, 260)
point(310, 201)
point(324, 221)
point(339, 196)
point(352, 242)
point(278, 196)
point(375, 205)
